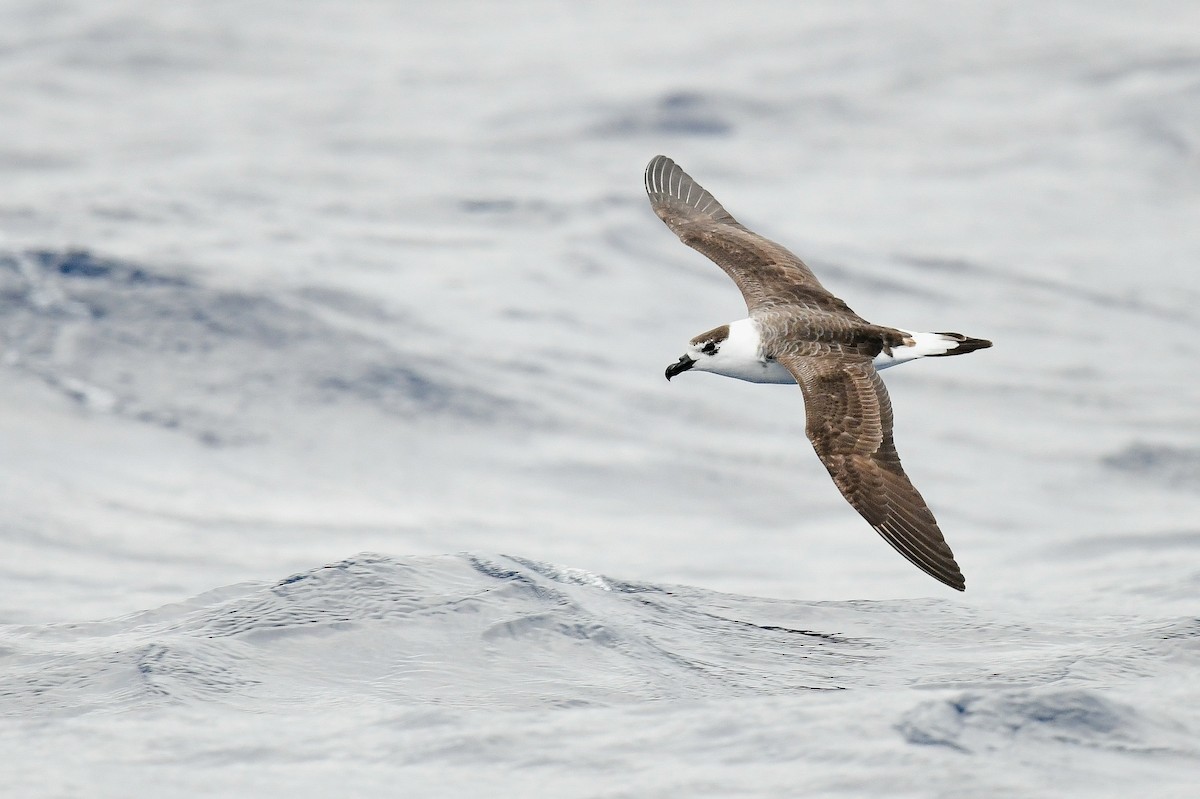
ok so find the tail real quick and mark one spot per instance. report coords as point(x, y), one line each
point(929, 345)
point(958, 344)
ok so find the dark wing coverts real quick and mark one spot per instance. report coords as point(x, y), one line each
point(849, 421)
point(766, 273)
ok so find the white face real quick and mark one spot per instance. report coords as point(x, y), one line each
point(701, 354)
point(732, 350)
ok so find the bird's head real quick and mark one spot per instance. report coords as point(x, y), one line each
point(702, 352)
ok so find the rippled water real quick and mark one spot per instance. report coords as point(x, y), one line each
point(283, 283)
point(423, 646)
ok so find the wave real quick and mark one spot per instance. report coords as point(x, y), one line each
point(491, 631)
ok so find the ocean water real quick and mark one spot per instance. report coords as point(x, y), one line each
point(338, 456)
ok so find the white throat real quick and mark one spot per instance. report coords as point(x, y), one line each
point(740, 355)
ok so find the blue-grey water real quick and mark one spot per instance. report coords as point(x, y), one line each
point(308, 311)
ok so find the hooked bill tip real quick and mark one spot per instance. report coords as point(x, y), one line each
point(682, 365)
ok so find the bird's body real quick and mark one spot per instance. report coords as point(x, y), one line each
point(798, 332)
point(741, 354)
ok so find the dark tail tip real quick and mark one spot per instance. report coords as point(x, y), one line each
point(965, 344)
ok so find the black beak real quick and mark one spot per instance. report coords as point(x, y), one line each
point(680, 367)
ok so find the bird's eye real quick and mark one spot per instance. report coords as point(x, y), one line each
point(709, 348)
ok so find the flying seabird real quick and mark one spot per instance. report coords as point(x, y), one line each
point(798, 332)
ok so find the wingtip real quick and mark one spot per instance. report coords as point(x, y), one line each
point(951, 575)
point(656, 176)
point(658, 159)
point(952, 579)
point(673, 192)
point(925, 549)
point(947, 573)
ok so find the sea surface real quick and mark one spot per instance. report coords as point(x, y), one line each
point(336, 456)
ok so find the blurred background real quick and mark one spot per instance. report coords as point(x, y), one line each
point(285, 282)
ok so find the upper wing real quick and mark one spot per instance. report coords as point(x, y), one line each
point(849, 421)
point(766, 273)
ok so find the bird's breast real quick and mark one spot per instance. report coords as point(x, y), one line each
point(755, 370)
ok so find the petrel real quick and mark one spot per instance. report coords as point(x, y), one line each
point(798, 332)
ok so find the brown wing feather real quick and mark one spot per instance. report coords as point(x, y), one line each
point(766, 273)
point(849, 421)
